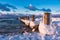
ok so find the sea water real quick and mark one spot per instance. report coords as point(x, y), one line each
point(28, 36)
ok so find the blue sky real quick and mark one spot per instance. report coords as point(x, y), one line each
point(54, 5)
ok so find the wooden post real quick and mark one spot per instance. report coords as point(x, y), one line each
point(46, 18)
point(33, 17)
point(27, 17)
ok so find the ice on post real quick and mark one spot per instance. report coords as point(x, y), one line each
point(45, 26)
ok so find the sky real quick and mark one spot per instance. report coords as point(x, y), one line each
point(38, 6)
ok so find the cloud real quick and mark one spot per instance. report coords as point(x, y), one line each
point(45, 10)
point(5, 7)
point(8, 5)
point(58, 11)
point(33, 8)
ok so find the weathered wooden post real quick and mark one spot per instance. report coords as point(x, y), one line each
point(46, 18)
point(32, 24)
point(27, 17)
point(33, 17)
point(44, 26)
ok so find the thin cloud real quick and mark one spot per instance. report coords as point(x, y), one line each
point(58, 11)
point(5, 7)
point(8, 5)
point(45, 10)
point(33, 8)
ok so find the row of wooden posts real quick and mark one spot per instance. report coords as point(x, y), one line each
point(45, 19)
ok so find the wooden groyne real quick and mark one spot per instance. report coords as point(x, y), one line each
point(30, 23)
